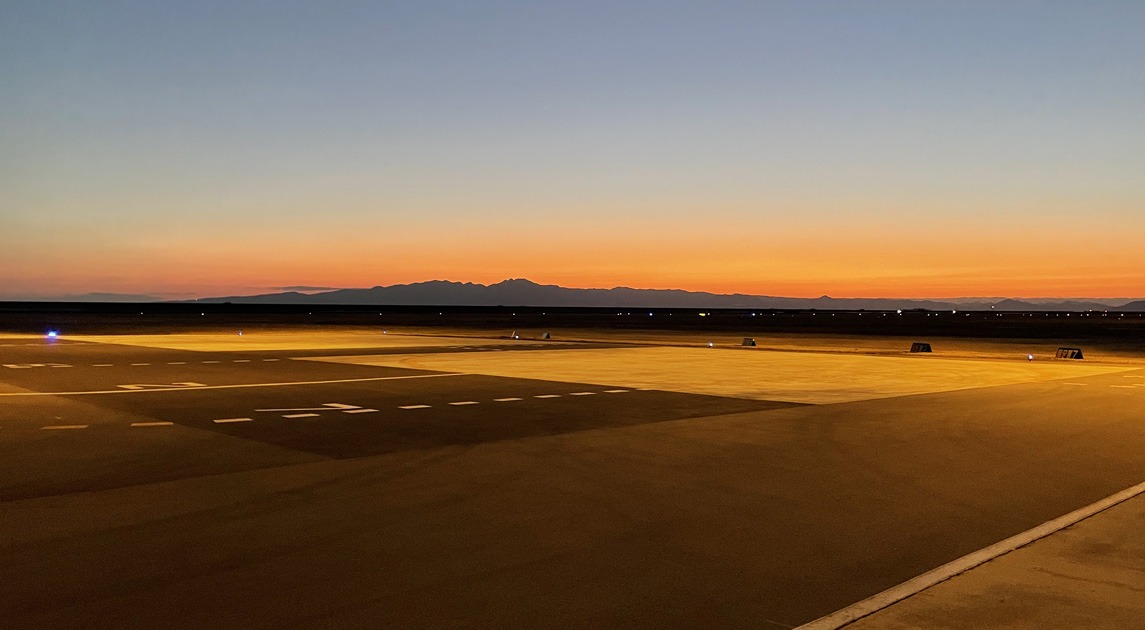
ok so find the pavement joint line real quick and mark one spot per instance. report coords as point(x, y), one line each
point(913, 586)
point(300, 415)
point(548, 396)
point(415, 407)
point(234, 386)
point(152, 424)
point(506, 399)
point(232, 420)
point(55, 427)
point(360, 411)
point(464, 402)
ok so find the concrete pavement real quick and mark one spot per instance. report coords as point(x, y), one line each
point(534, 506)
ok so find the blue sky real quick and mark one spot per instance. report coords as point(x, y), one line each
point(851, 148)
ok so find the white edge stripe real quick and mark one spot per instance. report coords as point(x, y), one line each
point(879, 601)
point(235, 386)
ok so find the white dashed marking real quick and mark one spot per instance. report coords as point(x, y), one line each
point(300, 415)
point(464, 402)
point(548, 396)
point(325, 407)
point(152, 424)
point(360, 411)
point(415, 407)
point(241, 361)
point(1081, 384)
point(176, 363)
point(57, 427)
point(231, 420)
point(212, 361)
point(1125, 386)
point(269, 360)
point(138, 364)
point(506, 399)
point(101, 365)
point(583, 394)
point(616, 391)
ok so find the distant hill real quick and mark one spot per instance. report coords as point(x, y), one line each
point(521, 292)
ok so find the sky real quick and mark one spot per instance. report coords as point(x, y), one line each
point(850, 148)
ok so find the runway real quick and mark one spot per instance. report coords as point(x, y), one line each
point(182, 488)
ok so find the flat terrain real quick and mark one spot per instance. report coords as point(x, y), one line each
point(335, 478)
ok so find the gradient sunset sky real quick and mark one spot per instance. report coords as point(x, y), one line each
point(850, 148)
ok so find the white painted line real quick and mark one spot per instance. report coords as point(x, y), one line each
point(101, 365)
point(230, 420)
point(879, 601)
point(360, 411)
point(1079, 384)
point(58, 365)
point(56, 427)
point(176, 363)
point(212, 361)
point(548, 396)
point(464, 402)
point(326, 407)
point(241, 361)
point(1124, 386)
point(583, 394)
point(152, 424)
point(300, 415)
point(616, 391)
point(1132, 376)
point(236, 386)
point(416, 407)
point(270, 360)
point(506, 399)
point(138, 364)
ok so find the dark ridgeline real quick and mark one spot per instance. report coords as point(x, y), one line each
point(520, 292)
